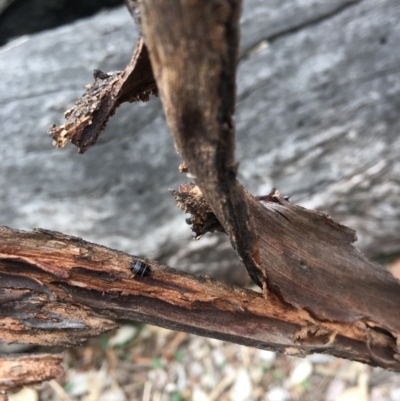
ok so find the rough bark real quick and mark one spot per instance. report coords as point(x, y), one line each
point(28, 370)
point(312, 264)
point(302, 256)
point(196, 71)
point(309, 258)
point(89, 116)
point(61, 290)
point(318, 90)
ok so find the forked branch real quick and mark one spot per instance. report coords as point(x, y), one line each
point(320, 293)
point(300, 257)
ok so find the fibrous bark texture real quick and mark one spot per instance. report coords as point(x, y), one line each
point(86, 120)
point(320, 294)
point(76, 289)
point(196, 73)
point(301, 256)
point(317, 89)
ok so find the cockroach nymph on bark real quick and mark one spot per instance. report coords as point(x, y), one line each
point(140, 269)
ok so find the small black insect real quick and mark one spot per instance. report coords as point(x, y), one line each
point(140, 269)
point(98, 74)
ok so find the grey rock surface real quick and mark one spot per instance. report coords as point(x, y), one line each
point(317, 117)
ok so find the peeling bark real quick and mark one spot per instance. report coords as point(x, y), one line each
point(89, 116)
point(300, 256)
point(313, 265)
point(191, 200)
point(61, 290)
point(320, 294)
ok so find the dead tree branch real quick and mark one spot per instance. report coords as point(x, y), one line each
point(195, 71)
point(310, 259)
point(320, 293)
point(61, 290)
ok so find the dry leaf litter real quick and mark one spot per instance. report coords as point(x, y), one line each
point(147, 363)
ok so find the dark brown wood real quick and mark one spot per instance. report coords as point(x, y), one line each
point(313, 265)
point(86, 120)
point(17, 371)
point(320, 294)
point(61, 290)
point(300, 256)
point(195, 71)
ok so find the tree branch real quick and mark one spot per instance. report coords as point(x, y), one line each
point(61, 290)
point(324, 295)
point(310, 259)
point(193, 50)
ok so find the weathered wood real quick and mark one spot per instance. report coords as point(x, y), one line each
point(89, 116)
point(17, 371)
point(316, 118)
point(312, 261)
point(60, 289)
point(195, 72)
point(306, 248)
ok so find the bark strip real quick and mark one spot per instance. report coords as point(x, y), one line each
point(310, 260)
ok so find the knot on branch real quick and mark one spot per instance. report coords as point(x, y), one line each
point(190, 199)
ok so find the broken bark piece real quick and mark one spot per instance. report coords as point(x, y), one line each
point(82, 114)
point(89, 116)
point(301, 256)
point(202, 220)
point(17, 371)
point(190, 199)
point(273, 196)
